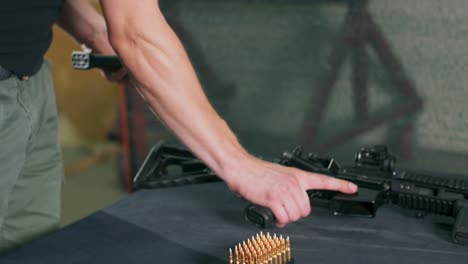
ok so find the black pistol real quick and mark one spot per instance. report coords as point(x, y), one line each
point(379, 183)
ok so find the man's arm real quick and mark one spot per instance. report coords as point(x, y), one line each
point(161, 70)
point(79, 19)
point(86, 25)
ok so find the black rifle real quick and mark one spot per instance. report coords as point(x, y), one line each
point(379, 183)
point(374, 172)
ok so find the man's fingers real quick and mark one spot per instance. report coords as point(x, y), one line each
point(304, 203)
point(292, 208)
point(301, 201)
point(281, 215)
point(286, 209)
point(321, 182)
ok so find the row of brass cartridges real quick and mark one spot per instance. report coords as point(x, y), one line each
point(262, 249)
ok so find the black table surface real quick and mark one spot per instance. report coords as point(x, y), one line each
point(198, 224)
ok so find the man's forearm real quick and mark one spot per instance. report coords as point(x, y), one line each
point(85, 24)
point(162, 72)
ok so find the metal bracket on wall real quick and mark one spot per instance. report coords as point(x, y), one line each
point(358, 31)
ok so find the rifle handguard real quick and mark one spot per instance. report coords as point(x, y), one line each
point(460, 227)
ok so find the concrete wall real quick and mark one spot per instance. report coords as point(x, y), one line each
point(273, 54)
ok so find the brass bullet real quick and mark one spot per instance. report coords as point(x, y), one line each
point(259, 258)
point(255, 246)
point(278, 250)
point(231, 259)
point(270, 260)
point(288, 249)
point(283, 249)
point(259, 251)
point(273, 254)
point(260, 243)
point(246, 248)
point(241, 253)
point(253, 251)
point(273, 251)
point(258, 239)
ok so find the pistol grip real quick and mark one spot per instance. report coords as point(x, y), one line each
point(260, 216)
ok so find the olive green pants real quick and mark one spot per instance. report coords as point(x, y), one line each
point(31, 170)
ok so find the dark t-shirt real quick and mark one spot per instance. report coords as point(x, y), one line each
point(26, 33)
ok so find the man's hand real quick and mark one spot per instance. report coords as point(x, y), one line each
point(282, 189)
point(88, 27)
point(120, 75)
